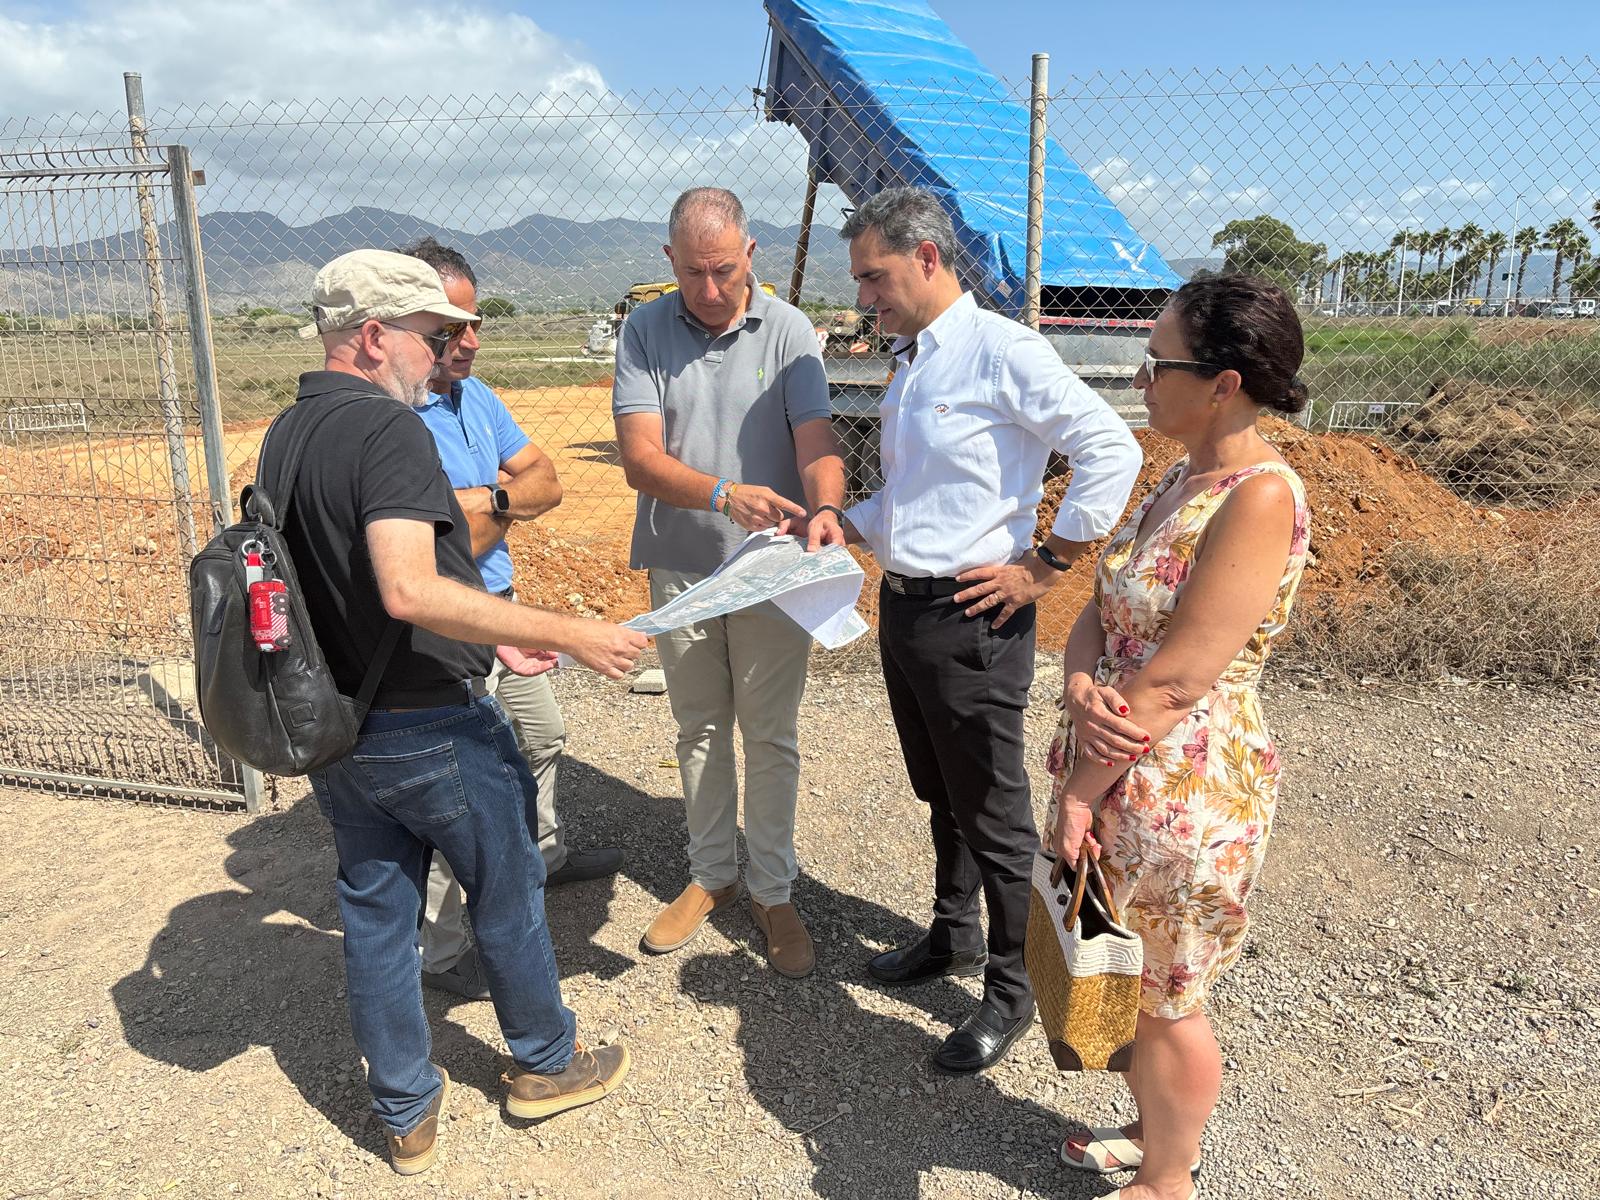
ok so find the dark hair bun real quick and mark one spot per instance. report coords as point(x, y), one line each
point(1294, 399)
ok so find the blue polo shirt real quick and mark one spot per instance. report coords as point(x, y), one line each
point(475, 434)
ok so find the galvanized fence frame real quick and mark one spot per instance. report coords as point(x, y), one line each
point(102, 507)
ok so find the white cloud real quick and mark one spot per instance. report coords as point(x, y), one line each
point(269, 50)
point(468, 116)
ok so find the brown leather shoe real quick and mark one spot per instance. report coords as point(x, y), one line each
point(590, 1076)
point(681, 920)
point(414, 1153)
point(789, 947)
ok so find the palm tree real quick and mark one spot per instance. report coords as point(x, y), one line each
point(1586, 279)
point(1525, 243)
point(1494, 245)
point(1439, 240)
point(1467, 242)
point(1567, 238)
point(1594, 217)
point(1316, 272)
point(1400, 245)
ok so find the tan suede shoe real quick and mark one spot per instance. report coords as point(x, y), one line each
point(681, 919)
point(789, 947)
point(414, 1153)
point(591, 1075)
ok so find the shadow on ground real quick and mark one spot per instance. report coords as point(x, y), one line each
point(237, 969)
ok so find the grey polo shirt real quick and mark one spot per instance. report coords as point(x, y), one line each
point(729, 405)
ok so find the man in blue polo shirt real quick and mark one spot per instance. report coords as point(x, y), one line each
point(499, 477)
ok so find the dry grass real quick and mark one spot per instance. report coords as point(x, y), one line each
point(1525, 609)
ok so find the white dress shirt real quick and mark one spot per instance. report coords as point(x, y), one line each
point(967, 426)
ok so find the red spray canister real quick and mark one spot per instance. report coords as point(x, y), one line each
point(269, 606)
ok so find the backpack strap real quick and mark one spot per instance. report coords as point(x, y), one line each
point(273, 491)
point(375, 669)
point(271, 505)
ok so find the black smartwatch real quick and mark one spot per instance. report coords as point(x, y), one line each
point(1050, 558)
point(499, 499)
point(834, 509)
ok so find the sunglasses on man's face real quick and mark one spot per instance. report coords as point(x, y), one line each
point(438, 343)
point(1152, 364)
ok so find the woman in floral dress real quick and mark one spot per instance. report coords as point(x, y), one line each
point(1163, 764)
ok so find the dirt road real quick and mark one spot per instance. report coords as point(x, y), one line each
point(1416, 1014)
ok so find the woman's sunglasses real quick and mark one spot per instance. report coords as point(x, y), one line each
point(1153, 364)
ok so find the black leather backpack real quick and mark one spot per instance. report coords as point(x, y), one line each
point(279, 711)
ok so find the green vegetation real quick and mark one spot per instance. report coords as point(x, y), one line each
point(492, 308)
point(1389, 361)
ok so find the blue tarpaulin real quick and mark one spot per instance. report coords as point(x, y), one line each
point(887, 95)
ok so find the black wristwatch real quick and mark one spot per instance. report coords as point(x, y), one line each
point(834, 509)
point(1050, 558)
point(499, 499)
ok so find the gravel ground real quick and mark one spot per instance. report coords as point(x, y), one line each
point(1415, 1016)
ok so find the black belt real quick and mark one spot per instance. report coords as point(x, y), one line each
point(922, 585)
point(464, 692)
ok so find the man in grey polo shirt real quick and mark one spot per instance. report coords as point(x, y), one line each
point(722, 417)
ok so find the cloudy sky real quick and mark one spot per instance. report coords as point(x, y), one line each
point(476, 114)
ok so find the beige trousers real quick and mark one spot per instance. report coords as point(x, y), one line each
point(749, 667)
point(536, 719)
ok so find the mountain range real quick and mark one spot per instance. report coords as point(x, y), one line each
point(255, 259)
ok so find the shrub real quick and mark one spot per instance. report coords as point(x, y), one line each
point(1525, 609)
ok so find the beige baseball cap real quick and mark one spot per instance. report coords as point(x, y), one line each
point(376, 285)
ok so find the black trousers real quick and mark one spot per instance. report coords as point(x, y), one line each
point(958, 689)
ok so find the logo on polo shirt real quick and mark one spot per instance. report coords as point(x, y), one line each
point(941, 409)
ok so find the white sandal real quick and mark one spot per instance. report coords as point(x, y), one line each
point(1105, 1144)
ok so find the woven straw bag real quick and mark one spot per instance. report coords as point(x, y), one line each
point(1085, 966)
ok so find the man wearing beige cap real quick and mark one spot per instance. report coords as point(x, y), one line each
point(385, 566)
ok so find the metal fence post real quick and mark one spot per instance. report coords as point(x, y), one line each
point(166, 369)
point(802, 246)
point(1036, 122)
point(186, 225)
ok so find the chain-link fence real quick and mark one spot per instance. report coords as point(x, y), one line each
point(103, 486)
point(1434, 222)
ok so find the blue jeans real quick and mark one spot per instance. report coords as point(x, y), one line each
point(448, 779)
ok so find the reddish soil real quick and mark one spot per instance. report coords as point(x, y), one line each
point(1364, 496)
point(114, 559)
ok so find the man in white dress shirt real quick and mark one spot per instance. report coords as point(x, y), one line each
point(977, 404)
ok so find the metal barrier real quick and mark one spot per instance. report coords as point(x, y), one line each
point(110, 474)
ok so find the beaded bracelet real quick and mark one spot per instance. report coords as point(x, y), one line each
point(716, 493)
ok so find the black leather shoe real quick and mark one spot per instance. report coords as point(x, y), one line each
point(914, 963)
point(981, 1040)
point(586, 864)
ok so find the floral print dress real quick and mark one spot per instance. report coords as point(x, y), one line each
point(1182, 834)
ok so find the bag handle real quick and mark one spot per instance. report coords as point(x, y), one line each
point(1080, 885)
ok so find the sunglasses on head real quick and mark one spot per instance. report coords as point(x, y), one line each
point(1152, 364)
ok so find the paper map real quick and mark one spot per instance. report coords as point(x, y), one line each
point(817, 591)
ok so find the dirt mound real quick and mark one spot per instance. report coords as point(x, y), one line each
point(1364, 496)
point(1505, 445)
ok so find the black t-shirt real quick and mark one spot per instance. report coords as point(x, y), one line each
point(374, 459)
